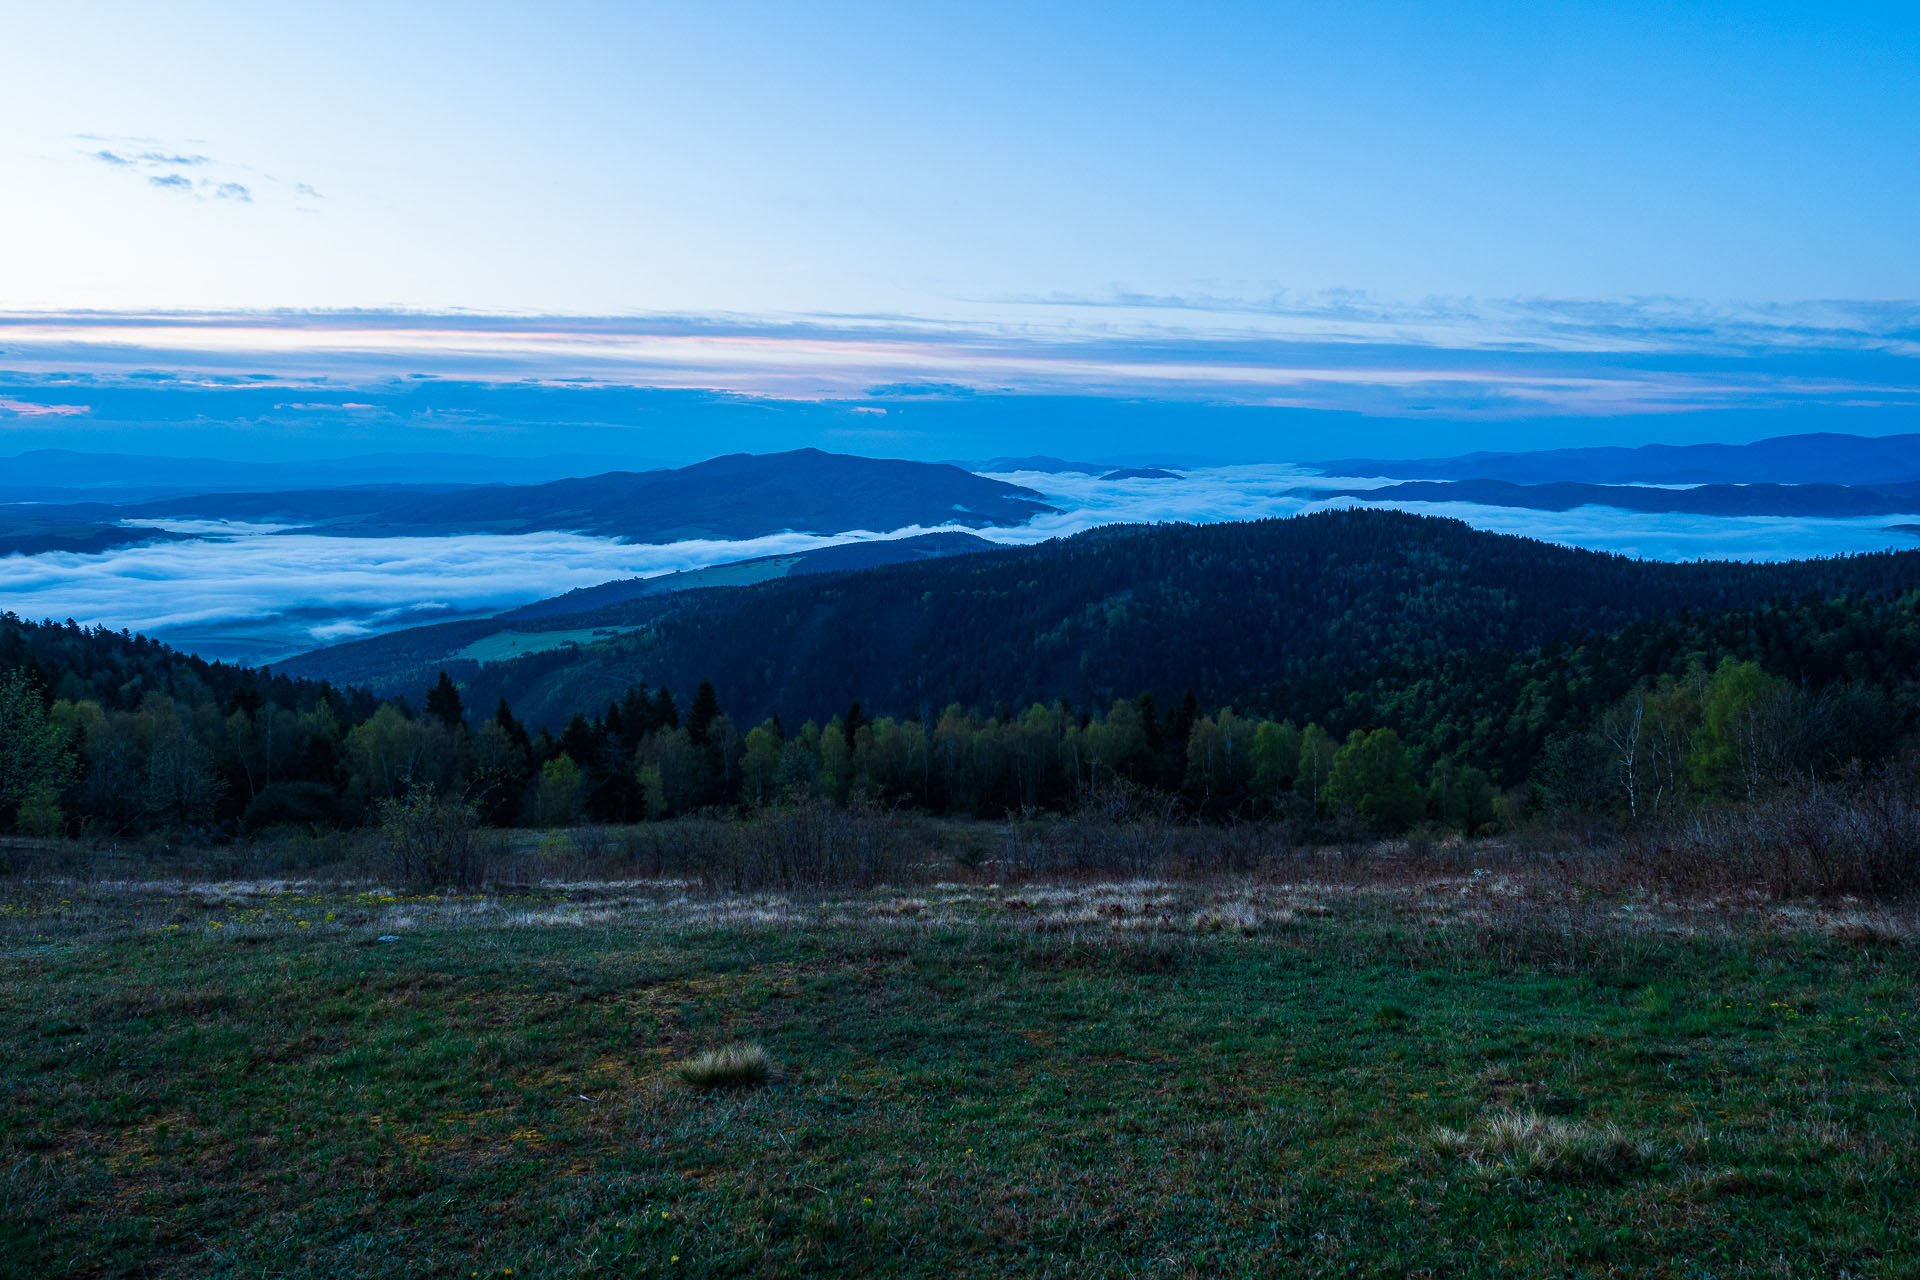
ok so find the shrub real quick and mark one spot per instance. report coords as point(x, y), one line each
point(428, 841)
point(738, 1066)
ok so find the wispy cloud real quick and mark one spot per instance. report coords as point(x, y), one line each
point(217, 180)
point(28, 409)
point(1523, 359)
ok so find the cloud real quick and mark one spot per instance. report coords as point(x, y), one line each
point(262, 595)
point(236, 183)
point(1207, 495)
point(1518, 361)
point(28, 409)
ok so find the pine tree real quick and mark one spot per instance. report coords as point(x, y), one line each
point(705, 710)
point(443, 700)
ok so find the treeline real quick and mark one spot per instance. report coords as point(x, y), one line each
point(112, 734)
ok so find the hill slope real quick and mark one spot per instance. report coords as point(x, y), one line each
point(852, 555)
point(1279, 617)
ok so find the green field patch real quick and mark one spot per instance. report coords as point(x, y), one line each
point(503, 646)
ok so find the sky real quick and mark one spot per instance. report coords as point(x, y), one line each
point(1483, 225)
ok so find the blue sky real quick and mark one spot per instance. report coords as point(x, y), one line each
point(1545, 221)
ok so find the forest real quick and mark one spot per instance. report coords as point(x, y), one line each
point(1435, 722)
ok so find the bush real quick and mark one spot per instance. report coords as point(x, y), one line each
point(430, 841)
point(1863, 840)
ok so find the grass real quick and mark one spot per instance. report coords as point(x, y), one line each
point(738, 1066)
point(1460, 1078)
point(1525, 1143)
point(503, 646)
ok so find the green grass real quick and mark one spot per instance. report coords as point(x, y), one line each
point(1093, 1083)
point(503, 646)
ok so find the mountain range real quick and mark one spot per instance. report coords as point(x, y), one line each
point(1830, 501)
point(733, 497)
point(1817, 458)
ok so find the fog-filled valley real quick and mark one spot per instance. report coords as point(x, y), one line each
point(260, 578)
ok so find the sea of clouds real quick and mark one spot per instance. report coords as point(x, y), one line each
point(258, 593)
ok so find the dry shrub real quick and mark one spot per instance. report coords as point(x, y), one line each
point(1862, 841)
point(429, 841)
point(806, 846)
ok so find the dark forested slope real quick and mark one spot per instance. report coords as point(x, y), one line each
point(1281, 617)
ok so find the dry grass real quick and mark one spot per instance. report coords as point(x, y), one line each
point(737, 1066)
point(1526, 1144)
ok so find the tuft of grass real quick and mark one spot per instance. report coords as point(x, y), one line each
point(1528, 1144)
point(1387, 1017)
point(737, 1066)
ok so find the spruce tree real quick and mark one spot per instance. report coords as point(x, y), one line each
point(443, 700)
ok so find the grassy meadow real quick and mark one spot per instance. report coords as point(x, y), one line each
point(1477, 1074)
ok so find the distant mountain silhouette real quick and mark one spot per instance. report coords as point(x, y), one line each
point(1040, 463)
point(1821, 458)
point(27, 532)
point(732, 497)
point(1829, 500)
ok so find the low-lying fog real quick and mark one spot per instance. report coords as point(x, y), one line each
point(252, 594)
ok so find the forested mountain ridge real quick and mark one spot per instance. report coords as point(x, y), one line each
point(1282, 617)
